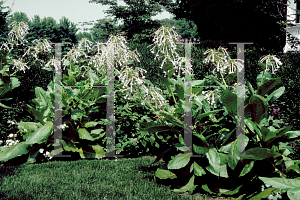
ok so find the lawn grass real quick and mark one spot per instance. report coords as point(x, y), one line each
point(124, 178)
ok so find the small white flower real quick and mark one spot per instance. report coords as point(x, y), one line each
point(271, 60)
point(11, 135)
point(41, 150)
point(62, 126)
point(47, 154)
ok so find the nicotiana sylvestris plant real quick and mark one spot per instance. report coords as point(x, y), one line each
point(80, 126)
point(82, 101)
point(262, 142)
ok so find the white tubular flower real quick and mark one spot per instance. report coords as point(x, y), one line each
point(85, 44)
point(18, 31)
point(41, 46)
point(270, 60)
point(73, 54)
point(7, 47)
point(51, 62)
point(218, 57)
point(165, 41)
point(98, 61)
point(155, 97)
point(19, 64)
point(131, 77)
point(209, 96)
point(233, 65)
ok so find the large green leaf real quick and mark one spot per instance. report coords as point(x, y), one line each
point(267, 134)
point(84, 134)
point(200, 150)
point(4, 106)
point(261, 153)
point(292, 134)
point(188, 186)
point(180, 161)
point(268, 86)
point(41, 134)
point(41, 94)
point(214, 161)
point(259, 106)
point(278, 134)
point(198, 170)
point(281, 183)
point(253, 127)
point(199, 117)
point(90, 124)
point(150, 127)
point(164, 174)
point(276, 94)
point(99, 152)
point(13, 151)
point(229, 100)
point(38, 115)
point(264, 194)
point(179, 89)
point(69, 147)
point(294, 193)
point(247, 168)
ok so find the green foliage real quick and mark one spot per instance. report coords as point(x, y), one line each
point(263, 143)
point(136, 16)
point(18, 17)
point(103, 29)
point(217, 20)
point(185, 28)
point(7, 84)
point(81, 35)
point(147, 62)
point(78, 120)
point(4, 30)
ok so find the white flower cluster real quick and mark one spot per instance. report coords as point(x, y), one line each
point(277, 196)
point(164, 40)
point(222, 60)
point(62, 126)
point(46, 154)
point(11, 142)
point(270, 61)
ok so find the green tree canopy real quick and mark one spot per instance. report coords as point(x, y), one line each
point(4, 30)
point(103, 28)
point(136, 17)
point(258, 21)
point(18, 17)
point(187, 29)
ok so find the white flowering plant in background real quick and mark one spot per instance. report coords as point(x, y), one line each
point(133, 81)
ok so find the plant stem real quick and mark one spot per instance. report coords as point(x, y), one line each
point(172, 93)
point(262, 79)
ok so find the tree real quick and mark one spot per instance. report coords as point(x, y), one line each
point(87, 35)
point(260, 21)
point(66, 31)
point(18, 16)
point(185, 28)
point(136, 17)
point(4, 30)
point(103, 28)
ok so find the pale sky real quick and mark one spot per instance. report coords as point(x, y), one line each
point(75, 10)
